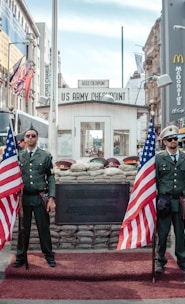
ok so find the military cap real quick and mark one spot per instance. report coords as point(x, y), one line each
point(112, 162)
point(20, 136)
point(169, 132)
point(99, 160)
point(64, 164)
point(31, 128)
point(131, 160)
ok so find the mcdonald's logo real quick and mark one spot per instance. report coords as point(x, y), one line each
point(179, 58)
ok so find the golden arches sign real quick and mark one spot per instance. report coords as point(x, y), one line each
point(178, 58)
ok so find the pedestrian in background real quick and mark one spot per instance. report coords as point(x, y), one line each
point(170, 179)
point(20, 141)
point(39, 182)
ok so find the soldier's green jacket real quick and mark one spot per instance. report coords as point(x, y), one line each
point(38, 175)
point(170, 178)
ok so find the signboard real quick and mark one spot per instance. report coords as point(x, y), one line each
point(182, 131)
point(98, 83)
point(67, 95)
point(173, 56)
point(91, 203)
point(47, 80)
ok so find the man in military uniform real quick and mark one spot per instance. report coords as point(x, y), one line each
point(170, 178)
point(38, 177)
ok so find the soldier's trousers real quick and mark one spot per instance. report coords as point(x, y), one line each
point(163, 229)
point(43, 225)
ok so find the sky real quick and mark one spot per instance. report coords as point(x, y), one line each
point(91, 34)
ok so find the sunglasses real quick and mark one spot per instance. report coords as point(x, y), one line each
point(173, 138)
point(30, 135)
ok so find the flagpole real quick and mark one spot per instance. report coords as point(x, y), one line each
point(152, 113)
point(21, 211)
point(122, 59)
point(53, 114)
point(21, 218)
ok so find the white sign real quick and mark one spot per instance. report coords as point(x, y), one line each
point(79, 95)
point(47, 80)
point(179, 85)
point(98, 83)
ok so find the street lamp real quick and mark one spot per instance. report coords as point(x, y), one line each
point(26, 42)
point(178, 27)
point(162, 81)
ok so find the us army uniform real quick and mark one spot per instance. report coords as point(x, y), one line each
point(170, 178)
point(37, 176)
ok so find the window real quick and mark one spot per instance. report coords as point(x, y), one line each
point(121, 142)
point(92, 139)
point(64, 143)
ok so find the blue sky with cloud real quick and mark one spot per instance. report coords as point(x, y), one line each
point(89, 36)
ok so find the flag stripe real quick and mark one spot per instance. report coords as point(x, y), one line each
point(8, 212)
point(139, 222)
point(28, 84)
point(10, 176)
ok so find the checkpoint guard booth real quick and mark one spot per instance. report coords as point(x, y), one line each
point(97, 121)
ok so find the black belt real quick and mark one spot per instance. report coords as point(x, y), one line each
point(175, 196)
point(31, 192)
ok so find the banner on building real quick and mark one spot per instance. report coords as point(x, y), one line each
point(139, 62)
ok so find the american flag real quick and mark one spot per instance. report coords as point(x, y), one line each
point(19, 76)
point(140, 218)
point(22, 79)
point(15, 69)
point(10, 184)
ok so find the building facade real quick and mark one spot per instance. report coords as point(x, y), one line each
point(19, 37)
point(152, 66)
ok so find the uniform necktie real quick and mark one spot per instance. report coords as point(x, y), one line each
point(174, 158)
point(30, 154)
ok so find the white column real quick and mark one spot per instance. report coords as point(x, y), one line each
point(53, 115)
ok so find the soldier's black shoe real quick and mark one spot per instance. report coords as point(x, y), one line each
point(18, 263)
point(51, 262)
point(159, 268)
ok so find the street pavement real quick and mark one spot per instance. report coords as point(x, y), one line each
point(6, 256)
